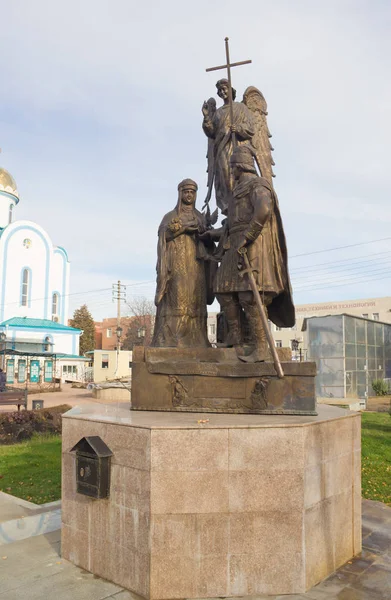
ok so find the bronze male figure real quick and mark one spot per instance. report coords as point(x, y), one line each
point(253, 222)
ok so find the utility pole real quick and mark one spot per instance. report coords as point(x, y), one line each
point(118, 294)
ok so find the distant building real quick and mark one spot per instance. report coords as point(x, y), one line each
point(108, 332)
point(376, 309)
point(98, 335)
point(212, 327)
point(350, 353)
point(110, 365)
point(36, 343)
point(142, 330)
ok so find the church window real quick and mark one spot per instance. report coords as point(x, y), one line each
point(10, 213)
point(55, 303)
point(25, 287)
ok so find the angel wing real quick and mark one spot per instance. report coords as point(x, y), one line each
point(255, 101)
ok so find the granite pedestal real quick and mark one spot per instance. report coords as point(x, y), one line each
point(216, 505)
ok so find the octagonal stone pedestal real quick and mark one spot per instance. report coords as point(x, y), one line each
point(234, 506)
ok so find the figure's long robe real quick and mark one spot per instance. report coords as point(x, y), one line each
point(218, 128)
point(255, 201)
point(182, 286)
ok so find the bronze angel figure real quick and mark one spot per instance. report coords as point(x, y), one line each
point(250, 129)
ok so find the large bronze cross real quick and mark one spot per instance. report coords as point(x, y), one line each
point(228, 67)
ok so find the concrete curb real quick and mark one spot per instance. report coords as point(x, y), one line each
point(30, 505)
point(26, 527)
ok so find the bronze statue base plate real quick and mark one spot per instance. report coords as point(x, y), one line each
point(214, 380)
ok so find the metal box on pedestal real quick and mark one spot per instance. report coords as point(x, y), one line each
point(93, 459)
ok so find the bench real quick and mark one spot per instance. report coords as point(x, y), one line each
point(14, 397)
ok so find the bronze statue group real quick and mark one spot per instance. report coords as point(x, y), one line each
point(197, 262)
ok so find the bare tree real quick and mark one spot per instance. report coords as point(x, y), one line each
point(142, 315)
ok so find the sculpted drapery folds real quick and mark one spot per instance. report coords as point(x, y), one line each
point(183, 275)
point(250, 127)
point(253, 221)
point(217, 126)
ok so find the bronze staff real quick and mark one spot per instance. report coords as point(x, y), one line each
point(227, 66)
point(243, 252)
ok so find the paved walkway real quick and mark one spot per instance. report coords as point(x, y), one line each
point(67, 395)
point(32, 569)
point(20, 519)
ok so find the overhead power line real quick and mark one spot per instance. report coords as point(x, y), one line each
point(362, 269)
point(340, 247)
point(84, 293)
point(329, 286)
point(327, 264)
point(353, 270)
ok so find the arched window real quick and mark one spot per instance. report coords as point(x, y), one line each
point(10, 213)
point(26, 277)
point(55, 305)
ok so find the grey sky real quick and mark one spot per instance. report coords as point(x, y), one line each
point(100, 118)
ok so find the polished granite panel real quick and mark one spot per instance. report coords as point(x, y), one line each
point(169, 420)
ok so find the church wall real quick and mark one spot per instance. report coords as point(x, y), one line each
point(59, 282)
point(24, 245)
point(6, 200)
point(65, 342)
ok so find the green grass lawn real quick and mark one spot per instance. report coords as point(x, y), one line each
point(32, 469)
point(376, 457)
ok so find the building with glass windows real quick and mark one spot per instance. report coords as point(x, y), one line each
point(377, 309)
point(350, 353)
point(34, 291)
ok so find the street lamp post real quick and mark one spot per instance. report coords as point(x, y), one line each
point(295, 347)
point(118, 332)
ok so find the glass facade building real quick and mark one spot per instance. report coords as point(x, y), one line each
point(350, 352)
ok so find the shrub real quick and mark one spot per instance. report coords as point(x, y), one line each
point(380, 387)
point(21, 425)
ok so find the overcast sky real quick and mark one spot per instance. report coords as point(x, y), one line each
point(100, 118)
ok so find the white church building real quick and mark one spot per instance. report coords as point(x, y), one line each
point(36, 343)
